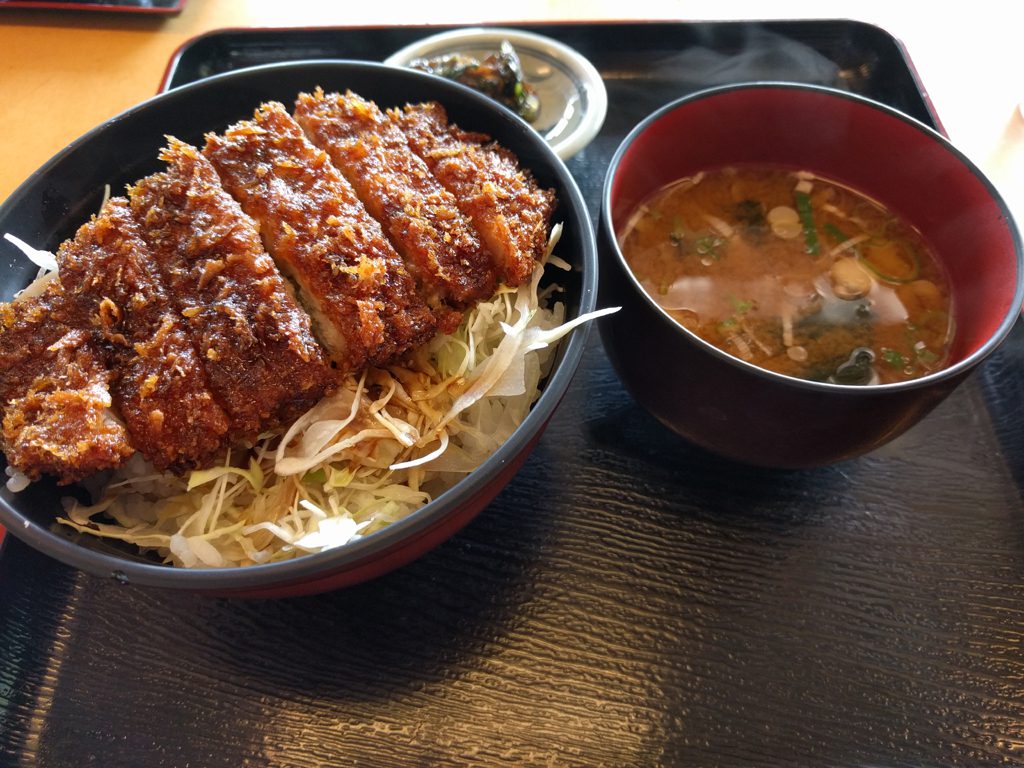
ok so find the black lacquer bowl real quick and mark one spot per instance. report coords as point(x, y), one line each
point(61, 195)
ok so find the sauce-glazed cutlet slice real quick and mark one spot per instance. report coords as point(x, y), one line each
point(505, 204)
point(54, 393)
point(421, 217)
point(363, 300)
point(261, 359)
point(161, 391)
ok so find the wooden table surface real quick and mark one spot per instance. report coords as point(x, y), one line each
point(628, 600)
point(61, 73)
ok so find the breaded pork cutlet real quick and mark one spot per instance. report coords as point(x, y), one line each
point(161, 390)
point(362, 298)
point(54, 392)
point(261, 359)
point(505, 204)
point(421, 217)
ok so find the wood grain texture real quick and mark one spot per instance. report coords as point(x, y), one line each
point(628, 600)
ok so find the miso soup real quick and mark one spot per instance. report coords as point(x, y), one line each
point(794, 273)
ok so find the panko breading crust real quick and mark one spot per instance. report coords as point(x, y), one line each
point(171, 311)
point(422, 218)
point(160, 389)
point(255, 342)
point(353, 282)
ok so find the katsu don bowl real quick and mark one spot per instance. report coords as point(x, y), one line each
point(215, 405)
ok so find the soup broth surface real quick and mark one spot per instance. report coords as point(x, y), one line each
point(794, 273)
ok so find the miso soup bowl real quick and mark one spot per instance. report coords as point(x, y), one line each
point(733, 408)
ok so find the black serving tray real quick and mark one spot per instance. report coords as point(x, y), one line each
point(628, 600)
point(644, 64)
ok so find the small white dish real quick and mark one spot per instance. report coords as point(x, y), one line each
point(573, 99)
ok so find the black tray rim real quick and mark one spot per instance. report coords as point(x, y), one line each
point(184, 49)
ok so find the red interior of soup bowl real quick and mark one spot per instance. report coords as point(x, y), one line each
point(878, 151)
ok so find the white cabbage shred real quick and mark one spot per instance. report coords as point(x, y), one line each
point(46, 262)
point(385, 444)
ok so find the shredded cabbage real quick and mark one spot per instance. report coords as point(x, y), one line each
point(46, 262)
point(385, 444)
